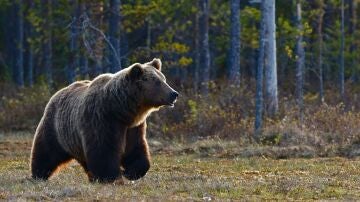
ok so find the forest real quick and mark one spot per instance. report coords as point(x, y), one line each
point(258, 80)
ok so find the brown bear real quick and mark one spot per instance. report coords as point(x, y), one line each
point(102, 124)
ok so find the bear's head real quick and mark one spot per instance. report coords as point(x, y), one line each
point(151, 83)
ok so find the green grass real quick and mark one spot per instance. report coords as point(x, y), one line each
point(175, 176)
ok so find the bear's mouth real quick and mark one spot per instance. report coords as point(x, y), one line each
point(172, 104)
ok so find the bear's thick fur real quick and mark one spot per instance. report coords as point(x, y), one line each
point(102, 124)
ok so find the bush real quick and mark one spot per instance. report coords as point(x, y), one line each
point(21, 109)
point(221, 114)
point(227, 113)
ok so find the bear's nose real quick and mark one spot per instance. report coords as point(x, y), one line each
point(174, 95)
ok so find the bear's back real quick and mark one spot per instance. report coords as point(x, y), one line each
point(69, 104)
point(76, 94)
point(80, 89)
point(100, 81)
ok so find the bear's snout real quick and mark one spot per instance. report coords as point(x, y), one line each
point(173, 97)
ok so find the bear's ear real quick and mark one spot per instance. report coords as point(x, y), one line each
point(136, 71)
point(156, 62)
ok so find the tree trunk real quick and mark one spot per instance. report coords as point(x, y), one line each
point(30, 66)
point(98, 14)
point(74, 57)
point(260, 73)
point(234, 60)
point(300, 60)
point(197, 52)
point(271, 90)
point(83, 60)
point(18, 70)
point(47, 44)
point(353, 5)
point(124, 50)
point(342, 60)
point(204, 45)
point(114, 36)
point(9, 41)
point(320, 59)
point(29, 47)
point(148, 36)
point(84, 66)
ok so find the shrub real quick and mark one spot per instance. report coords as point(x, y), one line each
point(226, 113)
point(21, 109)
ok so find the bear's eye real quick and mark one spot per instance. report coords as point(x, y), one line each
point(157, 83)
point(144, 79)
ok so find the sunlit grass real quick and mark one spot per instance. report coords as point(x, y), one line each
point(176, 176)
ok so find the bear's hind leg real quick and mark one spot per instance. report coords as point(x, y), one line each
point(46, 156)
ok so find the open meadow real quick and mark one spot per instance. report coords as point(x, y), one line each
point(180, 174)
point(249, 100)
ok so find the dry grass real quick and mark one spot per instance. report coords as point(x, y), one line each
point(186, 173)
point(326, 130)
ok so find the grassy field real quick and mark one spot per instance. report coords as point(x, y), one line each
point(186, 176)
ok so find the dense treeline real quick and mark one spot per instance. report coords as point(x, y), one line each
point(301, 47)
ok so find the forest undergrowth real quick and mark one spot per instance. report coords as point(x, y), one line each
point(223, 118)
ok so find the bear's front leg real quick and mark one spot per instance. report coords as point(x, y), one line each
point(136, 160)
point(103, 158)
point(103, 165)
